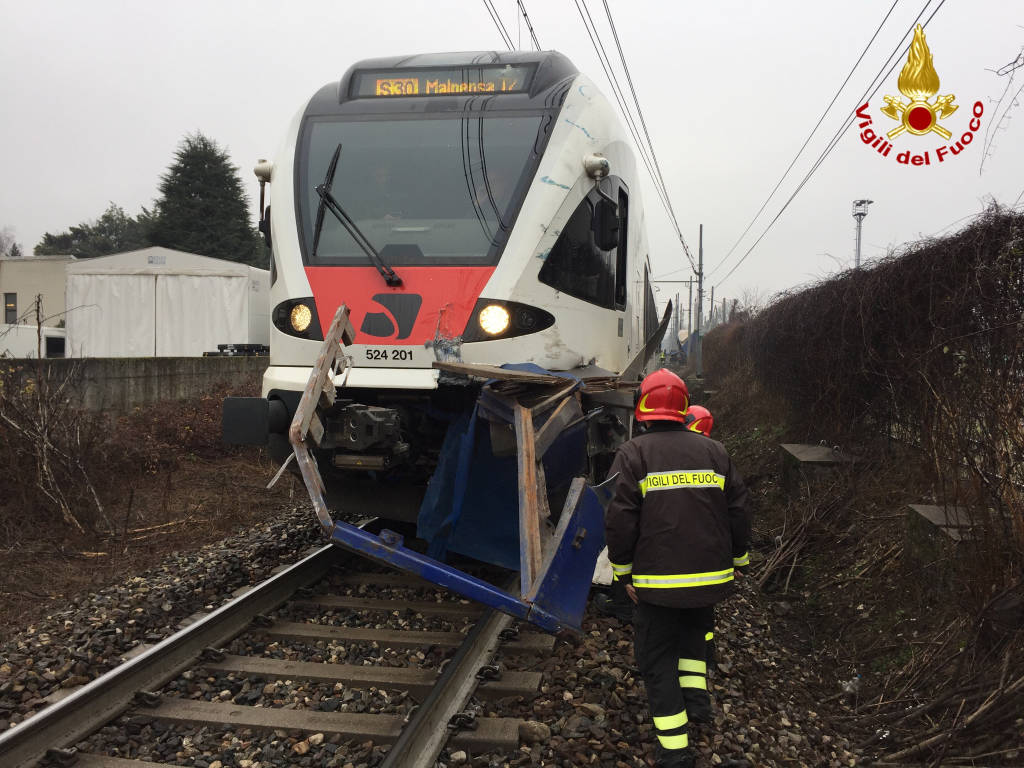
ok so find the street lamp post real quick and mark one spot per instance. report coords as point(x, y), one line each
point(860, 210)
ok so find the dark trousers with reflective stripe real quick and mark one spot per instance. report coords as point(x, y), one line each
point(664, 637)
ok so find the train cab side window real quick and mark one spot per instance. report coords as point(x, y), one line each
point(620, 252)
point(576, 265)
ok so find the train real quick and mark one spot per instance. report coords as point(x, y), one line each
point(478, 208)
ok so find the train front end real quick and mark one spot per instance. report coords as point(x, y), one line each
point(425, 193)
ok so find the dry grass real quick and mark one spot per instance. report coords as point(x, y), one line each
point(86, 499)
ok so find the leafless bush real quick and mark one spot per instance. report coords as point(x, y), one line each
point(924, 352)
point(65, 471)
point(925, 347)
point(45, 446)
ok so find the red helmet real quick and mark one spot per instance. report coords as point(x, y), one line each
point(663, 397)
point(701, 420)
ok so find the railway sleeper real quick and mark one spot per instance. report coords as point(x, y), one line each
point(416, 681)
point(491, 733)
point(527, 643)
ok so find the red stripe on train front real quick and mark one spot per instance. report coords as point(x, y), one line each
point(382, 315)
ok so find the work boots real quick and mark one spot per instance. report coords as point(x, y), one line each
point(676, 758)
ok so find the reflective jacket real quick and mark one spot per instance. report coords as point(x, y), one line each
point(677, 525)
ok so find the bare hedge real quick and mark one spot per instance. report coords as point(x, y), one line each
point(925, 346)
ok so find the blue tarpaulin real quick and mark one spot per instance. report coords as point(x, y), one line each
point(472, 501)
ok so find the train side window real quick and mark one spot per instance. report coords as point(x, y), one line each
point(10, 308)
point(576, 265)
point(620, 255)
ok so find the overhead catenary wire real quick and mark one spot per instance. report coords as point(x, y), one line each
point(529, 25)
point(876, 84)
point(505, 36)
point(617, 91)
point(636, 101)
point(866, 96)
point(807, 140)
point(647, 135)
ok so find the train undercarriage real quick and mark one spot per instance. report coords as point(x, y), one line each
point(498, 464)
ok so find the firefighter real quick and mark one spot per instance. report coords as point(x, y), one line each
point(698, 702)
point(677, 528)
point(699, 419)
point(617, 604)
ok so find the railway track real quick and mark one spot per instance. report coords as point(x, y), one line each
point(354, 644)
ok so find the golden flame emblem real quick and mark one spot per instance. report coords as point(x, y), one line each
point(919, 82)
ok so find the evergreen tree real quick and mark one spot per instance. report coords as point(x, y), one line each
point(113, 232)
point(203, 208)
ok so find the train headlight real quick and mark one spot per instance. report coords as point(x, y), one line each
point(494, 319)
point(297, 318)
point(301, 317)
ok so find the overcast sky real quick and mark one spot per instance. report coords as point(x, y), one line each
point(97, 95)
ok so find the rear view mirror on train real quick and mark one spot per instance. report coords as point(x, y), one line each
point(606, 224)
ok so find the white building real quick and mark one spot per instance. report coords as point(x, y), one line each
point(158, 302)
point(22, 279)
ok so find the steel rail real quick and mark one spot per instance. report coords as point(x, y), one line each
point(426, 733)
point(97, 703)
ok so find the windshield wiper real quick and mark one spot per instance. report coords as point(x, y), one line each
point(329, 202)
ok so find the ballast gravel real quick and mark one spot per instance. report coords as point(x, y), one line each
point(591, 709)
point(72, 647)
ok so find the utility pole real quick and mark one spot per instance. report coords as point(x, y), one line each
point(675, 339)
point(698, 357)
point(860, 210)
point(689, 314)
point(711, 309)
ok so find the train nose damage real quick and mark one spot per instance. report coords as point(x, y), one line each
point(555, 565)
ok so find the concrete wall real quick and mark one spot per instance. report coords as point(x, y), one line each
point(119, 384)
point(34, 275)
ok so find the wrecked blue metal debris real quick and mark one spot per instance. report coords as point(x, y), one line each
point(563, 584)
point(481, 488)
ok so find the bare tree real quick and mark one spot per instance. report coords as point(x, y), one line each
point(752, 301)
point(8, 245)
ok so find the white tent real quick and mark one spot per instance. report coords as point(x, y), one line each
point(158, 302)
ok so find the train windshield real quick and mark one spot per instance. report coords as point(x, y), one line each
point(424, 191)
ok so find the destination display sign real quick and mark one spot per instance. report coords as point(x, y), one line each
point(443, 81)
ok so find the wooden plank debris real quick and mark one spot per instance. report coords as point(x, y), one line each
point(480, 371)
point(319, 389)
point(529, 511)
